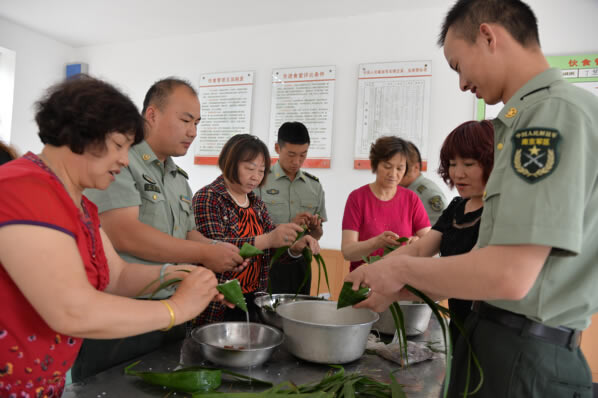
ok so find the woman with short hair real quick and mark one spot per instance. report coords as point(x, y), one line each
point(227, 210)
point(379, 213)
point(60, 278)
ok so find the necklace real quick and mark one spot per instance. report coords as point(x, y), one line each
point(244, 204)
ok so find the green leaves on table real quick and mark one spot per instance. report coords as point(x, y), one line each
point(333, 385)
point(183, 380)
point(248, 250)
point(193, 379)
point(231, 290)
point(349, 297)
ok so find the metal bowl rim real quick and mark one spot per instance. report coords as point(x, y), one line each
point(377, 316)
point(277, 333)
point(258, 299)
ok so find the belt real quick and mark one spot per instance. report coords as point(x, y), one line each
point(563, 336)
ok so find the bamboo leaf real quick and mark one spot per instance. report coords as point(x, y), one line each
point(248, 251)
point(165, 285)
point(399, 321)
point(322, 264)
point(395, 388)
point(349, 297)
point(231, 290)
point(183, 380)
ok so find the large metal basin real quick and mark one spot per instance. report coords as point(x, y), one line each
point(237, 344)
point(268, 304)
point(317, 332)
point(416, 315)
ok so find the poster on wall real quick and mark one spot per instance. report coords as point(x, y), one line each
point(305, 95)
point(225, 111)
point(581, 70)
point(393, 98)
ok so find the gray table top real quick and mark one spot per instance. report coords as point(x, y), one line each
point(421, 380)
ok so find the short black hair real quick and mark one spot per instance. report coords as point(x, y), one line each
point(414, 155)
point(242, 148)
point(159, 92)
point(81, 111)
point(515, 16)
point(293, 133)
point(387, 147)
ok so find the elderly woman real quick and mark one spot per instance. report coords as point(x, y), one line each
point(228, 210)
point(377, 214)
point(466, 160)
point(60, 278)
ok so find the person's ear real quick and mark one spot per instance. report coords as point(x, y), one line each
point(487, 33)
point(277, 148)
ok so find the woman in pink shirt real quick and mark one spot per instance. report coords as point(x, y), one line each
point(377, 214)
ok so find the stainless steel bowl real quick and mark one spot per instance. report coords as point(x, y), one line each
point(237, 344)
point(416, 315)
point(317, 332)
point(268, 304)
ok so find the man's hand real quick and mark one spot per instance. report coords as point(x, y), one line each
point(222, 257)
point(380, 276)
point(306, 240)
point(377, 302)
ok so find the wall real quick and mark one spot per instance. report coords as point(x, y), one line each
point(344, 42)
point(40, 62)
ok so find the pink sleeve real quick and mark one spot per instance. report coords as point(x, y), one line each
point(352, 218)
point(420, 217)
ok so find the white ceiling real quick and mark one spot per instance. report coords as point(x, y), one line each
point(80, 23)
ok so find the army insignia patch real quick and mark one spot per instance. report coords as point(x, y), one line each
point(436, 203)
point(273, 191)
point(421, 188)
point(535, 153)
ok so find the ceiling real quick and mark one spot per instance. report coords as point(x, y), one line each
point(80, 23)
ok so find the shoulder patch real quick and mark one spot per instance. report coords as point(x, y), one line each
point(182, 172)
point(313, 177)
point(421, 188)
point(436, 203)
point(535, 153)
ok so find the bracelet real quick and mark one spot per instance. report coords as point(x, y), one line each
point(214, 242)
point(172, 319)
point(162, 271)
point(292, 255)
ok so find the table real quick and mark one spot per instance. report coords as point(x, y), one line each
point(421, 380)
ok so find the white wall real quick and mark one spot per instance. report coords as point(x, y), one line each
point(40, 62)
point(565, 28)
point(7, 86)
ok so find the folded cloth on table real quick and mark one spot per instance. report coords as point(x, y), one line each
point(417, 351)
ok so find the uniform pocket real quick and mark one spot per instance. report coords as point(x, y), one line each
point(151, 211)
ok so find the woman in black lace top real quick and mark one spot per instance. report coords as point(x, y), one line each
point(466, 159)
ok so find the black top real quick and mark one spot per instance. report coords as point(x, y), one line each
point(459, 235)
point(4, 156)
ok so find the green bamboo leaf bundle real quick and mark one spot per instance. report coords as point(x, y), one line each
point(231, 290)
point(191, 381)
point(349, 297)
point(248, 251)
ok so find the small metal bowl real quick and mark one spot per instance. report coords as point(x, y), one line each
point(237, 344)
point(267, 305)
point(416, 315)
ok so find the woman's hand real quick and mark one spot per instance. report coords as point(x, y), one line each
point(284, 235)
point(194, 294)
point(305, 241)
point(387, 238)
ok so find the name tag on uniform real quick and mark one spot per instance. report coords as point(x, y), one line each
point(273, 191)
point(151, 187)
point(148, 179)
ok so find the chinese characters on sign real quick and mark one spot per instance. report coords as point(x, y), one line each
point(580, 70)
point(225, 111)
point(392, 99)
point(305, 95)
